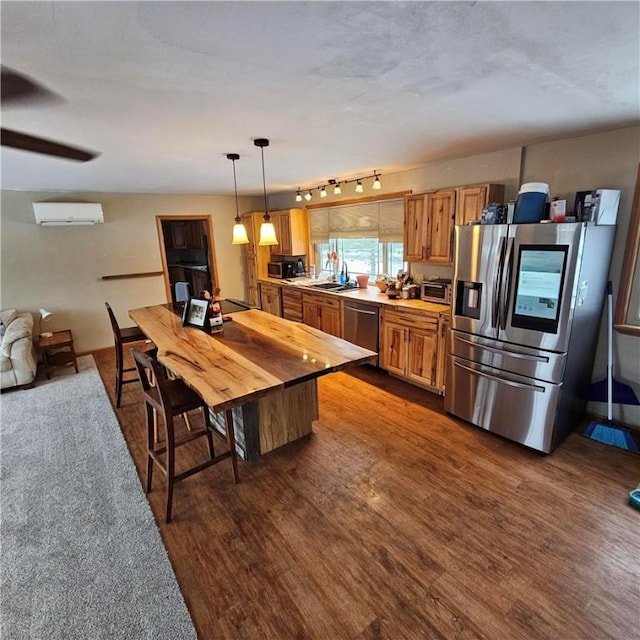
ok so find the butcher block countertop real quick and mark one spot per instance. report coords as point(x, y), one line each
point(254, 354)
point(369, 295)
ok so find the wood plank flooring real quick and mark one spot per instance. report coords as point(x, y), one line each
point(395, 521)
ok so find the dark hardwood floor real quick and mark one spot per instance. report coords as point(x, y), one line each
point(396, 521)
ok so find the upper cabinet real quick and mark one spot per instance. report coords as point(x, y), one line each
point(440, 222)
point(472, 199)
point(430, 217)
point(428, 226)
point(292, 232)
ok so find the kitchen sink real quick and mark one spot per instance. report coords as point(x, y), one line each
point(332, 286)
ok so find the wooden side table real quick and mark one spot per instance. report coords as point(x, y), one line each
point(57, 351)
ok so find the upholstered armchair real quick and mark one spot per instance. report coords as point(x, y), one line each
point(17, 354)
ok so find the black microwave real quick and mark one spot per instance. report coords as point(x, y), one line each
point(280, 269)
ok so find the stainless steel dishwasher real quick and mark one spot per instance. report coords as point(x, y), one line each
point(361, 325)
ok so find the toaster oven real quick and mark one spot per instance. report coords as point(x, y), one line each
point(438, 290)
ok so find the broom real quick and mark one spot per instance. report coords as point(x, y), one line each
point(607, 432)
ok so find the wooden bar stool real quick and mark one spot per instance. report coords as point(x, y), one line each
point(170, 398)
point(120, 337)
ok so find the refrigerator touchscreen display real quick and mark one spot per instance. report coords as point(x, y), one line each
point(539, 282)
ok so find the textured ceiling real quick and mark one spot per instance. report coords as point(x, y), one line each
point(164, 90)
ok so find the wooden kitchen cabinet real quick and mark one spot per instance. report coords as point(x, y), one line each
point(292, 304)
point(322, 312)
point(444, 323)
point(410, 346)
point(270, 299)
point(252, 289)
point(428, 228)
point(292, 232)
point(415, 232)
point(254, 258)
point(471, 200)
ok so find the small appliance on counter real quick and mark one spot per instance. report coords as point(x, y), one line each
point(293, 268)
point(438, 290)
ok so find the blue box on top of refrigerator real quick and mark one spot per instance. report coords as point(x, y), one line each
point(527, 304)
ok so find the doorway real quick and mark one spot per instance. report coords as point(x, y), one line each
point(187, 252)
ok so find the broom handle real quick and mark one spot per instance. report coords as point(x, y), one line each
point(609, 350)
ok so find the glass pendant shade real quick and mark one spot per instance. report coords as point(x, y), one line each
point(376, 184)
point(239, 234)
point(267, 234)
point(308, 196)
point(267, 230)
point(337, 190)
point(359, 187)
point(298, 196)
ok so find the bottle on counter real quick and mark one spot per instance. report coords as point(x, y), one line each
point(343, 274)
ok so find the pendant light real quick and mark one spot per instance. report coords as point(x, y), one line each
point(239, 230)
point(376, 182)
point(267, 230)
point(298, 196)
point(359, 187)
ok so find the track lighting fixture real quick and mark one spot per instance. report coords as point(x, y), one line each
point(239, 230)
point(337, 190)
point(267, 230)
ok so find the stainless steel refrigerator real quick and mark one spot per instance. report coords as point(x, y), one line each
point(526, 311)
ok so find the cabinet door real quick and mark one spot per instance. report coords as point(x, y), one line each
point(423, 357)
point(282, 226)
point(178, 236)
point(443, 349)
point(440, 217)
point(394, 348)
point(251, 291)
point(415, 228)
point(270, 300)
point(330, 320)
point(471, 201)
point(311, 314)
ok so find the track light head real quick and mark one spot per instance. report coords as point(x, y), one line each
point(359, 187)
point(298, 196)
point(308, 196)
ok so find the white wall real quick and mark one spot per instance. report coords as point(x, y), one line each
point(60, 269)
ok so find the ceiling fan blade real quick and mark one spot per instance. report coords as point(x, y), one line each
point(15, 87)
point(17, 140)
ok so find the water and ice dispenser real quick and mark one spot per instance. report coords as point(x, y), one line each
point(468, 299)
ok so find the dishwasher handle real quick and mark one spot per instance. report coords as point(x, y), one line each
point(368, 313)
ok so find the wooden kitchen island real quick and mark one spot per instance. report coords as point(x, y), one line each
point(260, 371)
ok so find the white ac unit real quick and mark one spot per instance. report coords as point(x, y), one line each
point(67, 213)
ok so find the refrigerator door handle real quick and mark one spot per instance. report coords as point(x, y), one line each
point(500, 379)
point(496, 287)
point(505, 284)
point(511, 354)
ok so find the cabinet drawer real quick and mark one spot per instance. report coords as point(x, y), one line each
point(323, 300)
point(423, 320)
point(292, 304)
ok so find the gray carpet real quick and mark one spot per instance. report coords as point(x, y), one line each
point(82, 557)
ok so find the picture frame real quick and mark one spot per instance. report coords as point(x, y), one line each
point(196, 313)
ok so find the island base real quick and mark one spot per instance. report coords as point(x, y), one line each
point(272, 421)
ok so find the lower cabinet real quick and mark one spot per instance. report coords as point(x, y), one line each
point(443, 348)
point(410, 346)
point(322, 312)
point(292, 304)
point(270, 299)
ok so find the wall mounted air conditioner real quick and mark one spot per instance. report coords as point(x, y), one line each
point(67, 213)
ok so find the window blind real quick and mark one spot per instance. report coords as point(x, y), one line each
point(383, 219)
